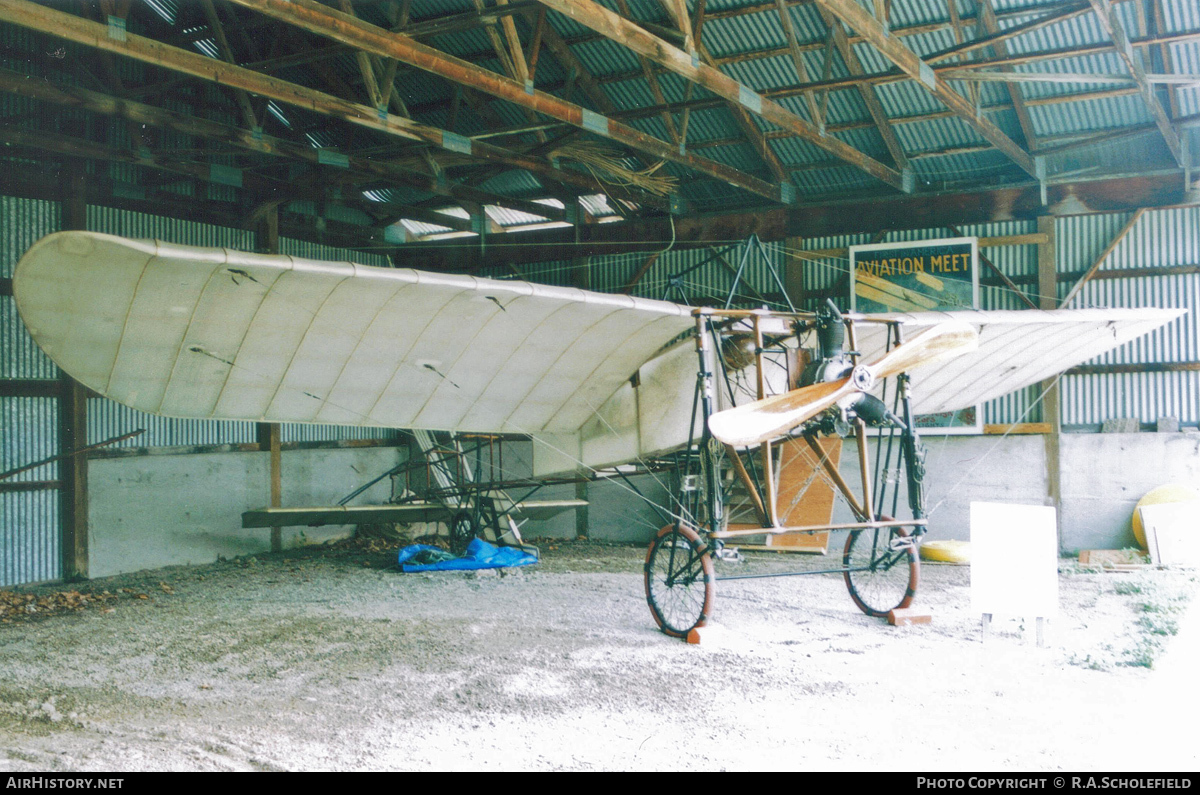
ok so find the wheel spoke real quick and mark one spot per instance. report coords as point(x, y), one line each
point(880, 578)
point(679, 580)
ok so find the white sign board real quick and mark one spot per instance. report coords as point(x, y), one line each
point(1173, 532)
point(1014, 560)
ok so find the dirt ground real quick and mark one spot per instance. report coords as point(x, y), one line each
point(330, 659)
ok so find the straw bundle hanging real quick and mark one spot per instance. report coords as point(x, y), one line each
point(606, 166)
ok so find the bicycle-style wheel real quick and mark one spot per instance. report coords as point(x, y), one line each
point(882, 569)
point(680, 583)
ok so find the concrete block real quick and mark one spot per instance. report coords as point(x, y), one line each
point(1168, 425)
point(1122, 425)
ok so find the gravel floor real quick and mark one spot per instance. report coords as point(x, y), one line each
point(329, 659)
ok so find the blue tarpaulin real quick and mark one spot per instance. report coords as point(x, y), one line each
point(480, 555)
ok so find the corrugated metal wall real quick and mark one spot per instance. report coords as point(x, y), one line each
point(1160, 238)
point(29, 535)
point(29, 519)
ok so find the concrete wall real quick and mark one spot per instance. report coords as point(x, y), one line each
point(163, 510)
point(155, 511)
point(1104, 475)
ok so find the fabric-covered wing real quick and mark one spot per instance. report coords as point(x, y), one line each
point(216, 333)
point(1016, 348)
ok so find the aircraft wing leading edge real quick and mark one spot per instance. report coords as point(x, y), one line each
point(219, 334)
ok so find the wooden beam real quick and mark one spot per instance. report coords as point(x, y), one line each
point(366, 168)
point(677, 12)
point(457, 23)
point(82, 31)
point(641, 41)
point(987, 19)
point(1165, 57)
point(1112, 244)
point(1047, 262)
point(29, 485)
point(365, 68)
point(642, 270)
point(324, 21)
point(266, 239)
point(1146, 273)
point(853, 81)
point(898, 53)
point(1054, 15)
point(30, 387)
point(652, 82)
point(1112, 26)
point(1017, 429)
point(218, 32)
point(1023, 202)
point(882, 123)
point(72, 416)
point(302, 58)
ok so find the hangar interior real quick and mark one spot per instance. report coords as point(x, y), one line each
point(696, 151)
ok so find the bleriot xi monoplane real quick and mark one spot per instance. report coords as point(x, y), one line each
point(594, 379)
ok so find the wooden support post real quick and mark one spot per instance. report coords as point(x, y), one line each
point(269, 433)
point(581, 512)
point(1048, 299)
point(72, 413)
point(581, 267)
point(793, 268)
point(581, 277)
point(269, 442)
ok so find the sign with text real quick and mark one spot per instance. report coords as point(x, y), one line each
point(920, 276)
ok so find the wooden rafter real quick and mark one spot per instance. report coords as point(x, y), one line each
point(362, 168)
point(507, 47)
point(870, 98)
point(218, 31)
point(793, 46)
point(960, 39)
point(640, 40)
point(1112, 26)
point(741, 116)
point(967, 207)
point(92, 34)
point(911, 64)
point(998, 37)
point(987, 20)
point(322, 20)
point(652, 83)
point(1164, 54)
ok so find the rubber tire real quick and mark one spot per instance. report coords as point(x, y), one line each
point(663, 598)
point(897, 592)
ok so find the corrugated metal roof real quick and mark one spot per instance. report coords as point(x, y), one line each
point(827, 181)
point(742, 34)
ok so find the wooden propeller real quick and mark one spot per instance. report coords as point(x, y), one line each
point(773, 416)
